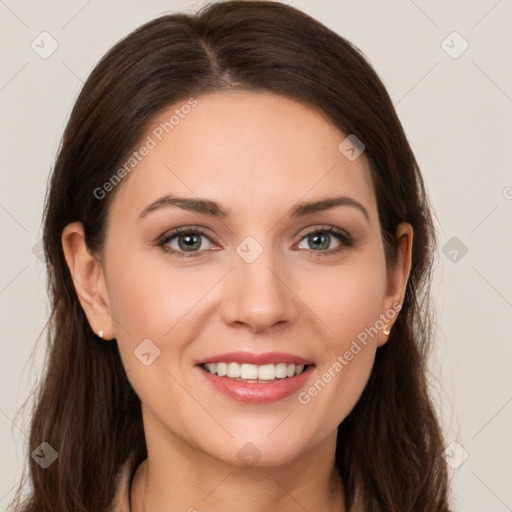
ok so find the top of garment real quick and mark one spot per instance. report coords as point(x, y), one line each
point(124, 478)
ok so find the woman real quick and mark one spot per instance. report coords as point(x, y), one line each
point(239, 247)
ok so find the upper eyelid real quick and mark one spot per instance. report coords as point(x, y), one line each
point(168, 235)
point(324, 227)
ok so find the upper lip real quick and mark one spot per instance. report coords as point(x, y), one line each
point(257, 359)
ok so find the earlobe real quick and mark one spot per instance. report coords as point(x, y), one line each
point(398, 278)
point(88, 279)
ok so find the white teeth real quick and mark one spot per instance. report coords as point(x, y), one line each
point(254, 372)
point(222, 369)
point(267, 372)
point(211, 367)
point(249, 371)
point(281, 370)
point(233, 370)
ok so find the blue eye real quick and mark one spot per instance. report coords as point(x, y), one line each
point(322, 238)
point(188, 242)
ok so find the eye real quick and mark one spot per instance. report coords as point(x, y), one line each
point(184, 242)
point(321, 240)
point(190, 242)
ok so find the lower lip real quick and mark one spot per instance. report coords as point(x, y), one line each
point(257, 393)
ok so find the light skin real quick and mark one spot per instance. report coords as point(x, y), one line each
point(256, 155)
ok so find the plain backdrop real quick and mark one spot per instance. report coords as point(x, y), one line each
point(446, 65)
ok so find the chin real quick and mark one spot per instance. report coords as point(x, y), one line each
point(259, 451)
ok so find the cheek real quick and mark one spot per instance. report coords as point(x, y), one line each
point(156, 303)
point(349, 306)
point(349, 298)
point(346, 360)
point(149, 300)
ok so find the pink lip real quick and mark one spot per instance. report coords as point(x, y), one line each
point(257, 393)
point(257, 359)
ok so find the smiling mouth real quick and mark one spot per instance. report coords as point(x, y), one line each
point(252, 373)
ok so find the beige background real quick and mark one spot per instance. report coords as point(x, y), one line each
point(457, 113)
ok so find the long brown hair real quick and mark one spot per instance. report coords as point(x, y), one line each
point(390, 444)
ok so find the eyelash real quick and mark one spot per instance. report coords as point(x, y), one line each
point(346, 241)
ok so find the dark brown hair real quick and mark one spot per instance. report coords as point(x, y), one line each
point(390, 444)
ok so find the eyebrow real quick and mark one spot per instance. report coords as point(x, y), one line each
point(213, 209)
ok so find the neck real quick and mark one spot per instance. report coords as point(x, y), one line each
point(183, 482)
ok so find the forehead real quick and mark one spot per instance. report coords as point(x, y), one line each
point(248, 150)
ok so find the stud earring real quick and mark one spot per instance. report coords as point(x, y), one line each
point(100, 334)
point(386, 330)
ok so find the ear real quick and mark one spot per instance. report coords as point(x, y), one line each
point(398, 276)
point(88, 279)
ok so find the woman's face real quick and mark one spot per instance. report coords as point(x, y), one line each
point(267, 278)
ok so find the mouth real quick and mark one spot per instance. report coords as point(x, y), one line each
point(252, 378)
point(261, 374)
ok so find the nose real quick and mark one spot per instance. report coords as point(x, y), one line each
point(258, 296)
